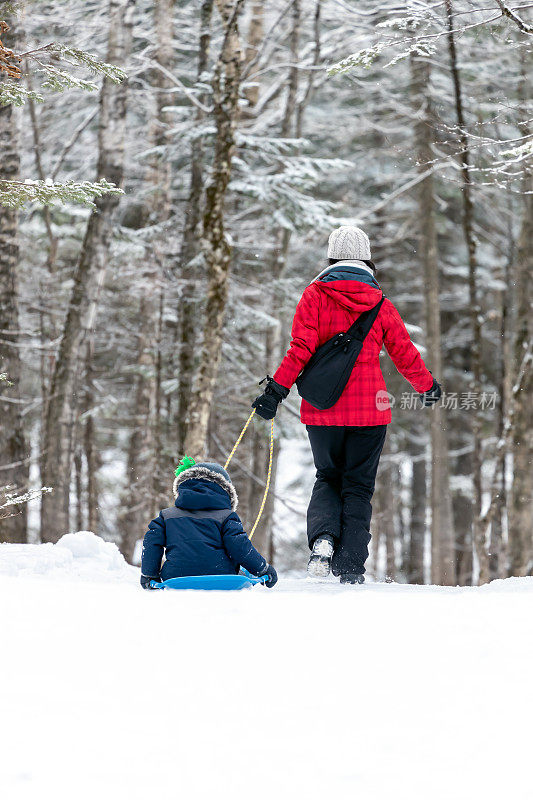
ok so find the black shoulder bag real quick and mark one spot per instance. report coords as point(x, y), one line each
point(324, 377)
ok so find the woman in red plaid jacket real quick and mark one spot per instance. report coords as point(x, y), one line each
point(346, 439)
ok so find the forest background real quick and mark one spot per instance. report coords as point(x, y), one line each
point(135, 326)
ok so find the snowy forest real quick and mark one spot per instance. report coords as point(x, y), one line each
point(169, 175)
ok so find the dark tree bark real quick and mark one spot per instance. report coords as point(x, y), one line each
point(521, 494)
point(78, 484)
point(147, 470)
point(485, 520)
point(14, 452)
point(388, 522)
point(138, 495)
point(480, 544)
point(463, 513)
point(88, 277)
point(217, 251)
point(190, 248)
point(92, 459)
point(310, 88)
point(497, 549)
point(417, 531)
point(442, 540)
point(254, 39)
point(273, 295)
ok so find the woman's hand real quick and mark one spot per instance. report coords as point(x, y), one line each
point(432, 396)
point(266, 404)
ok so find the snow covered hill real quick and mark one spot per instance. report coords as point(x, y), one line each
point(306, 691)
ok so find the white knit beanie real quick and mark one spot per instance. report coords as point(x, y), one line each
point(349, 242)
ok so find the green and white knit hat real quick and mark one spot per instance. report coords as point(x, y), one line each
point(188, 470)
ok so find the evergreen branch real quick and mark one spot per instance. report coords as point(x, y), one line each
point(80, 58)
point(15, 94)
point(10, 6)
point(15, 194)
point(12, 499)
point(57, 80)
point(368, 55)
point(362, 58)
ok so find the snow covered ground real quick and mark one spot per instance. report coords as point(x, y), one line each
point(305, 691)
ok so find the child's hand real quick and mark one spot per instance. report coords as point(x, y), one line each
point(272, 576)
point(147, 579)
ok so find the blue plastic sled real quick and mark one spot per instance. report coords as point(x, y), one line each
point(211, 582)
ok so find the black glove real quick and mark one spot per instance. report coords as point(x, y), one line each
point(272, 576)
point(432, 396)
point(267, 403)
point(145, 581)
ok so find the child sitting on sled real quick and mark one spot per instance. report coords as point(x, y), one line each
point(200, 534)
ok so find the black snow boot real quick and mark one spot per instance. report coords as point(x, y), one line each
point(319, 564)
point(352, 577)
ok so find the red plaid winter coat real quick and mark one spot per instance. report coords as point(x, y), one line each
point(327, 308)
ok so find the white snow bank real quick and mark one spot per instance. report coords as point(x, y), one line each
point(310, 691)
point(76, 555)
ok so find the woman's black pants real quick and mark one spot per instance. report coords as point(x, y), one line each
point(346, 461)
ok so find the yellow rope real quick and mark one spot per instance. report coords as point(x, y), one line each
point(271, 453)
point(237, 443)
point(270, 457)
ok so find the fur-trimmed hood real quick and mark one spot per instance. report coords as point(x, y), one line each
point(208, 472)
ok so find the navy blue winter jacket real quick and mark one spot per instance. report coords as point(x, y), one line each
point(199, 535)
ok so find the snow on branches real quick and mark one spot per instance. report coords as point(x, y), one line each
point(15, 194)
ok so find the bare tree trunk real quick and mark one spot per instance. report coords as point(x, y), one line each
point(47, 332)
point(308, 94)
point(292, 88)
point(442, 539)
point(91, 452)
point(462, 511)
point(78, 483)
point(217, 251)
point(388, 523)
point(88, 277)
point(164, 25)
point(14, 468)
point(160, 429)
point(497, 552)
point(521, 495)
point(138, 492)
point(524, 378)
point(191, 244)
point(480, 544)
point(254, 39)
point(157, 462)
point(415, 558)
point(273, 299)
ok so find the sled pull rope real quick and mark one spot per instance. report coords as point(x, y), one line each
point(269, 473)
point(237, 443)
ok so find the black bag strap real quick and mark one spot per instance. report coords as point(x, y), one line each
point(361, 327)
